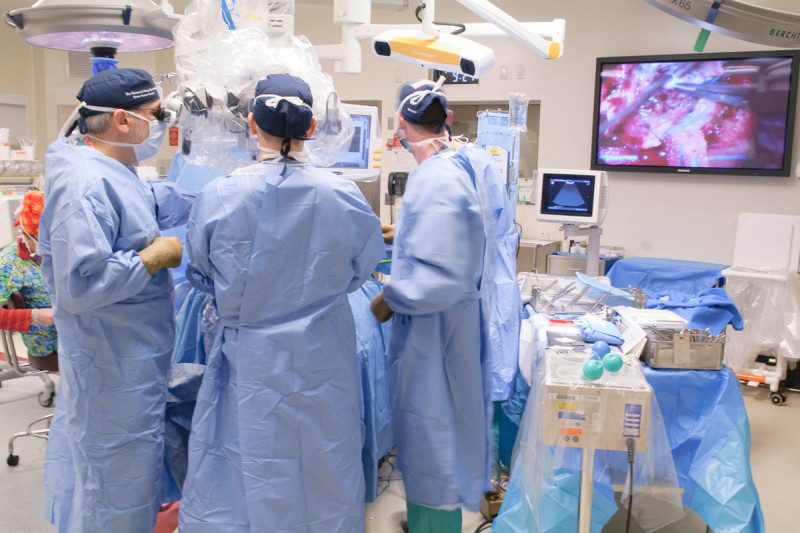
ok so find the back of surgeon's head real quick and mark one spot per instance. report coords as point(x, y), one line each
point(423, 104)
point(282, 109)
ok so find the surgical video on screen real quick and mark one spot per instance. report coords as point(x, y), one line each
point(572, 196)
point(357, 155)
point(702, 114)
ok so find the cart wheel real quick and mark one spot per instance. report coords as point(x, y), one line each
point(776, 398)
point(46, 399)
point(12, 460)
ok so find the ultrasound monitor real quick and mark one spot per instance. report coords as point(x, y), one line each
point(572, 196)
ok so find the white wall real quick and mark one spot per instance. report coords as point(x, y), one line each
point(655, 215)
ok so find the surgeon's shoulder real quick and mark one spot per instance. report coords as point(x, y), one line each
point(69, 170)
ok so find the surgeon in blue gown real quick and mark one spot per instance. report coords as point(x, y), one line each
point(106, 266)
point(276, 434)
point(443, 291)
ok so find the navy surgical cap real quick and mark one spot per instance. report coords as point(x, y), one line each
point(279, 117)
point(416, 96)
point(124, 88)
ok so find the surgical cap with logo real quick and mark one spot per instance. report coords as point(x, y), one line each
point(124, 88)
point(282, 107)
point(415, 97)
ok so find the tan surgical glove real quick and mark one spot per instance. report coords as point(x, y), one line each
point(388, 233)
point(380, 308)
point(163, 252)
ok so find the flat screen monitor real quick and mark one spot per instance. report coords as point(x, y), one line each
point(572, 196)
point(361, 161)
point(725, 113)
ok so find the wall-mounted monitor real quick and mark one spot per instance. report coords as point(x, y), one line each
point(362, 160)
point(724, 113)
point(572, 196)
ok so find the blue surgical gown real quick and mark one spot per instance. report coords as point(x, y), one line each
point(115, 334)
point(276, 433)
point(440, 365)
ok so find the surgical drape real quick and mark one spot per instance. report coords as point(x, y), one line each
point(276, 434)
point(115, 334)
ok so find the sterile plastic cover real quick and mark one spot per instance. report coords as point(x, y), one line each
point(766, 330)
point(225, 65)
point(547, 478)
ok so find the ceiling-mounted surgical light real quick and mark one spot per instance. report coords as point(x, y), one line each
point(137, 25)
point(775, 25)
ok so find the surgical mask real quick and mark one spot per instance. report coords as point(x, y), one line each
point(437, 142)
point(275, 155)
point(145, 149)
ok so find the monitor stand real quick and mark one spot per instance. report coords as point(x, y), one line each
point(593, 249)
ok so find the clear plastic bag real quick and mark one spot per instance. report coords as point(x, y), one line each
point(218, 69)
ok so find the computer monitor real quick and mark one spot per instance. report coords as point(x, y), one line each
point(572, 196)
point(361, 161)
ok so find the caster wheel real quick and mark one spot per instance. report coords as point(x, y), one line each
point(776, 398)
point(46, 399)
point(12, 460)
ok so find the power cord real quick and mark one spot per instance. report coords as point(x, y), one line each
point(483, 527)
point(388, 458)
point(461, 27)
point(631, 444)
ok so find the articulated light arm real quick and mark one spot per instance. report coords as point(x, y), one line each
point(488, 11)
point(544, 38)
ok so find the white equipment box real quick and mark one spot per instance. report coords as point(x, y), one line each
point(600, 414)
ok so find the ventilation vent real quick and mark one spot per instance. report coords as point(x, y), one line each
point(78, 65)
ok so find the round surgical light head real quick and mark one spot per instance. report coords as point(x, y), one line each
point(137, 25)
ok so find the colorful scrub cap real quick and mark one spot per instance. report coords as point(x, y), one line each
point(29, 212)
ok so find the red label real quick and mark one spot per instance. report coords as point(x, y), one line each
point(173, 135)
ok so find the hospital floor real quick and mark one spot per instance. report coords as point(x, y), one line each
point(774, 459)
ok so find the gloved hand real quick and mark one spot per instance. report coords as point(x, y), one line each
point(388, 233)
point(380, 308)
point(163, 252)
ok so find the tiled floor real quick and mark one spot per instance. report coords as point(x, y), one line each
point(775, 462)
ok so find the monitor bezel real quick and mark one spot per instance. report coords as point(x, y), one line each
point(791, 111)
point(598, 207)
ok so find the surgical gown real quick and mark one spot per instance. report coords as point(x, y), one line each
point(115, 334)
point(441, 290)
point(276, 433)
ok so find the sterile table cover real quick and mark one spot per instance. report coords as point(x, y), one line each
point(709, 309)
point(543, 493)
point(657, 274)
point(709, 434)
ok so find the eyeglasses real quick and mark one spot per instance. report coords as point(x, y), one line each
point(160, 114)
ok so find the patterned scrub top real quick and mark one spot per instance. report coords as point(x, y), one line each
point(18, 274)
